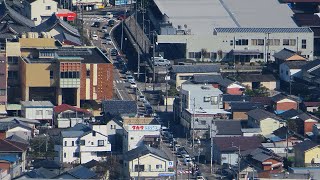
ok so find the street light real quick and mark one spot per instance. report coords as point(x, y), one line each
point(239, 159)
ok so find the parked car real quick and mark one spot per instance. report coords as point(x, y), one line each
point(186, 156)
point(162, 62)
point(96, 24)
point(108, 15)
point(95, 37)
point(141, 98)
point(113, 52)
point(200, 178)
point(111, 23)
point(130, 79)
point(106, 35)
point(188, 162)
point(133, 85)
point(108, 40)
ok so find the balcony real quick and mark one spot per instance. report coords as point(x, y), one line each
point(106, 147)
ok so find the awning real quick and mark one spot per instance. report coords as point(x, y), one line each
point(245, 52)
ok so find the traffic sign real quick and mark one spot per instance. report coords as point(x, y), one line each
point(170, 164)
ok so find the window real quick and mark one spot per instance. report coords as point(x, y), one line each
point(257, 42)
point(82, 142)
point(304, 44)
point(194, 54)
point(46, 54)
point(2, 92)
point(13, 75)
point(206, 99)
point(214, 99)
point(39, 112)
point(203, 122)
point(70, 74)
point(76, 154)
point(49, 112)
point(65, 143)
point(100, 142)
point(51, 74)
point(138, 168)
point(48, 7)
point(231, 42)
point(93, 133)
point(12, 60)
point(111, 127)
point(72, 143)
point(289, 42)
point(242, 42)
point(159, 166)
point(273, 42)
point(88, 73)
point(35, 19)
point(64, 155)
point(92, 143)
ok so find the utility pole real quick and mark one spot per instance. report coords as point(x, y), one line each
point(213, 132)
point(166, 79)
point(153, 60)
point(138, 61)
point(139, 167)
point(193, 116)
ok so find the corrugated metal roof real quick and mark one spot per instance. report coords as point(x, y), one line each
point(264, 30)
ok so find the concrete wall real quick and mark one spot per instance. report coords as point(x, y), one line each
point(38, 9)
point(286, 104)
point(284, 69)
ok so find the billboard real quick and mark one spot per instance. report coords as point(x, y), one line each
point(143, 127)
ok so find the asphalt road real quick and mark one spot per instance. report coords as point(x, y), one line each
point(121, 87)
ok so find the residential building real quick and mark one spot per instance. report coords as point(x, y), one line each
point(10, 167)
point(310, 72)
point(62, 74)
point(249, 132)
point(115, 133)
point(228, 99)
point(59, 29)
point(124, 108)
point(38, 173)
point(264, 100)
point(147, 162)
point(306, 154)
point(38, 11)
point(65, 116)
point(255, 81)
point(282, 103)
point(237, 36)
point(227, 128)
point(291, 69)
point(16, 152)
point(3, 84)
point(39, 110)
point(311, 106)
point(81, 144)
point(239, 109)
point(287, 55)
point(15, 127)
point(266, 121)
point(226, 149)
point(182, 73)
point(79, 172)
point(135, 135)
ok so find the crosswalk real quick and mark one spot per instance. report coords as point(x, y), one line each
point(184, 172)
point(119, 81)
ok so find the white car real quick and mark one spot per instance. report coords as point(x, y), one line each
point(186, 156)
point(109, 15)
point(130, 79)
point(133, 85)
point(188, 162)
point(95, 37)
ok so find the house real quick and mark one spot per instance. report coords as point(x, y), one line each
point(306, 154)
point(124, 108)
point(79, 172)
point(266, 121)
point(217, 81)
point(227, 128)
point(239, 109)
point(15, 154)
point(81, 144)
point(10, 167)
point(249, 132)
point(41, 172)
point(50, 165)
point(287, 55)
point(65, 116)
point(182, 73)
point(311, 106)
point(226, 149)
point(265, 160)
point(228, 99)
point(60, 30)
point(91, 80)
point(38, 11)
point(135, 135)
point(264, 100)
point(32, 123)
point(147, 162)
point(255, 81)
point(310, 72)
point(15, 127)
point(13, 23)
point(290, 70)
point(115, 133)
point(39, 110)
point(282, 102)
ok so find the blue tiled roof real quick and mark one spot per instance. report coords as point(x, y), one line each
point(10, 158)
point(82, 172)
point(264, 30)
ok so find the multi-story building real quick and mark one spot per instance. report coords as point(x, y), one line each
point(3, 84)
point(39, 10)
point(40, 110)
point(81, 144)
point(60, 74)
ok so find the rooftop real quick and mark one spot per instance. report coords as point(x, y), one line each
point(228, 127)
point(196, 68)
point(260, 114)
point(120, 107)
point(256, 78)
point(231, 143)
point(201, 88)
point(285, 54)
point(295, 64)
point(305, 145)
point(264, 30)
point(37, 104)
point(66, 107)
point(245, 106)
point(210, 79)
point(207, 111)
point(143, 150)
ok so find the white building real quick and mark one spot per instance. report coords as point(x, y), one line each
point(138, 135)
point(40, 10)
point(40, 110)
point(114, 132)
point(291, 69)
point(230, 30)
point(65, 116)
point(82, 144)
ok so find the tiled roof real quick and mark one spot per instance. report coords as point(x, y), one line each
point(244, 106)
point(256, 78)
point(284, 54)
point(295, 64)
point(309, 20)
point(71, 134)
point(82, 172)
point(18, 139)
point(305, 145)
point(260, 114)
point(234, 98)
point(281, 96)
point(143, 150)
point(261, 154)
point(195, 68)
point(290, 114)
point(266, 101)
point(198, 78)
point(227, 144)
point(264, 30)
point(226, 127)
point(11, 146)
point(6, 125)
point(120, 107)
point(66, 107)
point(311, 104)
point(41, 173)
point(73, 39)
point(311, 65)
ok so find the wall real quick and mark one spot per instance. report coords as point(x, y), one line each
point(135, 138)
point(284, 69)
point(240, 115)
point(229, 158)
point(38, 9)
point(268, 125)
point(21, 132)
point(31, 113)
point(69, 150)
point(286, 104)
point(309, 125)
point(312, 154)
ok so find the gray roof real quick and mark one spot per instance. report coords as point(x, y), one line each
point(284, 54)
point(4, 126)
point(18, 139)
point(37, 104)
point(143, 150)
point(71, 134)
point(120, 107)
point(199, 78)
point(41, 173)
point(25, 120)
point(305, 145)
point(280, 96)
point(264, 30)
point(256, 78)
point(260, 114)
point(236, 106)
point(261, 154)
point(82, 172)
point(228, 127)
point(235, 98)
point(295, 64)
point(311, 64)
point(290, 113)
point(195, 68)
point(72, 38)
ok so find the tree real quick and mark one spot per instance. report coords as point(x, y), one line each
point(109, 169)
point(261, 91)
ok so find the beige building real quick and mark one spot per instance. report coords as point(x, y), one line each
point(40, 10)
point(147, 162)
point(254, 81)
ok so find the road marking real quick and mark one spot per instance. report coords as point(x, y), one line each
point(119, 94)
